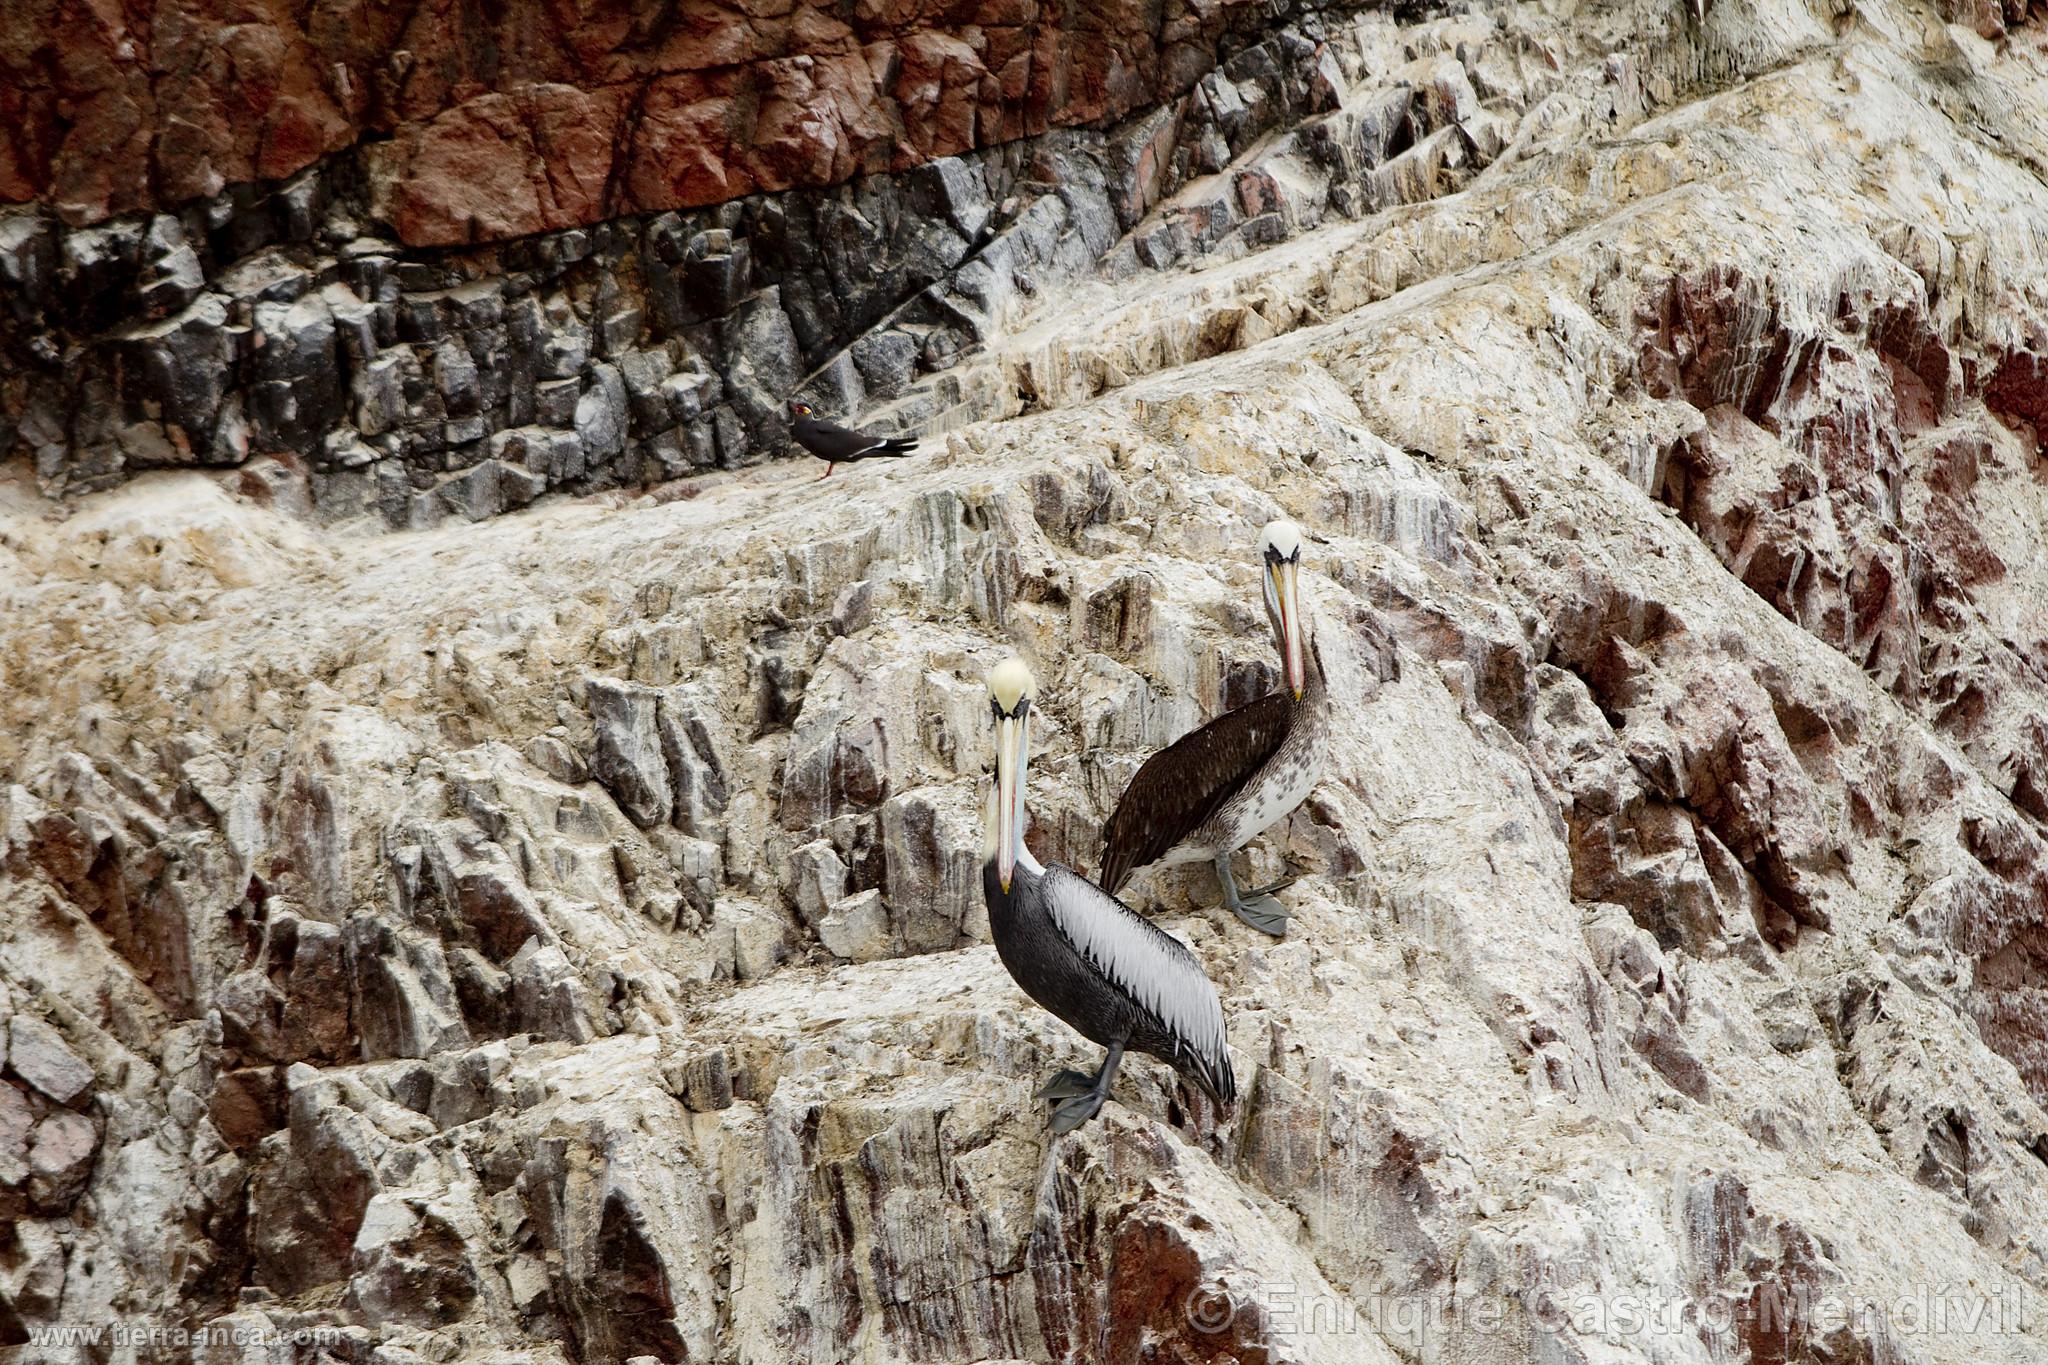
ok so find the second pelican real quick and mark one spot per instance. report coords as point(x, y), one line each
point(1210, 793)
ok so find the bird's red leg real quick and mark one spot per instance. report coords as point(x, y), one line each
point(829, 467)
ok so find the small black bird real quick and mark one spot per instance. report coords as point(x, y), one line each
point(836, 445)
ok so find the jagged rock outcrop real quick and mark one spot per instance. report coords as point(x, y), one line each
point(557, 938)
point(296, 322)
point(527, 118)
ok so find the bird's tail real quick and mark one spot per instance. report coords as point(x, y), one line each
point(900, 445)
point(1212, 1073)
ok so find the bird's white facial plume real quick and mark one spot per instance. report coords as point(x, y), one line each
point(1010, 690)
point(1282, 538)
point(1010, 682)
point(1280, 567)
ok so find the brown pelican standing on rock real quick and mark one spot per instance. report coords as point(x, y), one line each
point(836, 445)
point(1210, 793)
point(1110, 973)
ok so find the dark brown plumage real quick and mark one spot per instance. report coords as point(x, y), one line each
point(1182, 785)
point(1214, 791)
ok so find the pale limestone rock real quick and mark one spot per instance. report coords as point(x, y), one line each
point(820, 875)
point(628, 759)
point(856, 929)
point(37, 1053)
point(59, 1158)
point(33, 1277)
point(16, 1119)
point(604, 880)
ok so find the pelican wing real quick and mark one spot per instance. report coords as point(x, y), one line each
point(1186, 782)
point(1152, 968)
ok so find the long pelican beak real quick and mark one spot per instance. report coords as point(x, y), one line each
point(1287, 591)
point(1012, 742)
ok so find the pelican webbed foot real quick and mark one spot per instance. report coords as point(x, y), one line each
point(1260, 910)
point(1068, 1115)
point(1080, 1097)
point(1065, 1085)
point(1264, 914)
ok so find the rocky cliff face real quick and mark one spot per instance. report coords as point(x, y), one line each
point(520, 118)
point(559, 936)
point(307, 321)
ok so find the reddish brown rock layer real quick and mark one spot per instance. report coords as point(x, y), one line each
point(1848, 474)
point(542, 117)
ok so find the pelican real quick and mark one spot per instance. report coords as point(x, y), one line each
point(1212, 792)
point(1112, 975)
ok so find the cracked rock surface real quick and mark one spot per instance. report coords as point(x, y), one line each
point(558, 937)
